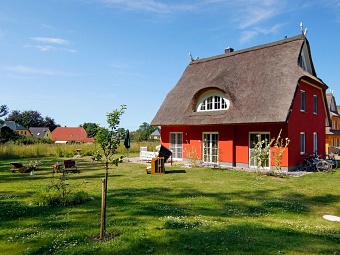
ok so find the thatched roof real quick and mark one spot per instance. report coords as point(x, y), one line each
point(331, 101)
point(260, 83)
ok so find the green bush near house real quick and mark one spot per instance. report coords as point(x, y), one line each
point(185, 211)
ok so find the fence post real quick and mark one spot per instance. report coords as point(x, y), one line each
point(102, 218)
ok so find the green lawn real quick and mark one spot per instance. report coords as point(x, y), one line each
point(185, 211)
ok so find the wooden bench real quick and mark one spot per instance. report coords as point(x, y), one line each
point(70, 166)
point(18, 167)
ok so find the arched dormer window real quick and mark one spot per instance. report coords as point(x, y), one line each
point(212, 100)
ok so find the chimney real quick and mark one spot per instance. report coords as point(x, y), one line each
point(228, 50)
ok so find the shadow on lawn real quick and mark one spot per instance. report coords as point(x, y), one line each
point(235, 239)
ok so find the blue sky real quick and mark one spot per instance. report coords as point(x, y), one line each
point(76, 60)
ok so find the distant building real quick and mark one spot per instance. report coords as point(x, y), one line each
point(17, 128)
point(70, 135)
point(333, 132)
point(156, 135)
point(40, 132)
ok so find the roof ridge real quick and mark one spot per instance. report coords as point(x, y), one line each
point(258, 47)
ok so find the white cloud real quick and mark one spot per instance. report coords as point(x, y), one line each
point(247, 36)
point(50, 48)
point(47, 41)
point(27, 70)
point(50, 40)
point(149, 6)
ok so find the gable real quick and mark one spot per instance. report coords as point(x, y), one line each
point(259, 82)
point(305, 59)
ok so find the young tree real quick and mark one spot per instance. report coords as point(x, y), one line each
point(109, 140)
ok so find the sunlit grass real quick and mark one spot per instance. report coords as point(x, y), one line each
point(19, 151)
point(185, 211)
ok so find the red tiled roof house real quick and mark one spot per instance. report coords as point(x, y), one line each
point(221, 103)
point(70, 135)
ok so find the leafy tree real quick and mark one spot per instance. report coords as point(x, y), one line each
point(31, 119)
point(109, 140)
point(90, 128)
point(3, 112)
point(144, 132)
point(122, 131)
point(50, 123)
point(7, 134)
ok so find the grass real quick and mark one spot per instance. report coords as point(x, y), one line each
point(19, 151)
point(185, 211)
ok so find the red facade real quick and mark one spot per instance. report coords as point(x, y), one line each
point(234, 140)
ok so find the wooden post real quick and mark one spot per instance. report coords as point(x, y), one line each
point(102, 218)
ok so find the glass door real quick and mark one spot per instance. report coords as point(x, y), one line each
point(210, 147)
point(254, 138)
point(176, 145)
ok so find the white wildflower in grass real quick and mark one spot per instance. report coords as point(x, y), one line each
point(185, 222)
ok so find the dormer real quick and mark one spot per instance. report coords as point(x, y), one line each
point(211, 99)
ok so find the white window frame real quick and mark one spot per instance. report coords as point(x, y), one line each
point(253, 162)
point(302, 143)
point(315, 104)
point(315, 143)
point(212, 155)
point(212, 100)
point(302, 101)
point(176, 145)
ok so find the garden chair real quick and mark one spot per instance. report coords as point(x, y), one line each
point(70, 166)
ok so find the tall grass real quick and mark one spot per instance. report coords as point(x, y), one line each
point(11, 151)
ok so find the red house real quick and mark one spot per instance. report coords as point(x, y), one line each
point(221, 103)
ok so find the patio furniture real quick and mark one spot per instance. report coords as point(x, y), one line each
point(18, 167)
point(70, 166)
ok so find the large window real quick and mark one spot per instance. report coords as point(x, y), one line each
point(210, 147)
point(302, 143)
point(254, 138)
point(213, 100)
point(176, 145)
point(303, 101)
point(315, 104)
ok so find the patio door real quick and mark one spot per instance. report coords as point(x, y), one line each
point(254, 138)
point(176, 145)
point(210, 147)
